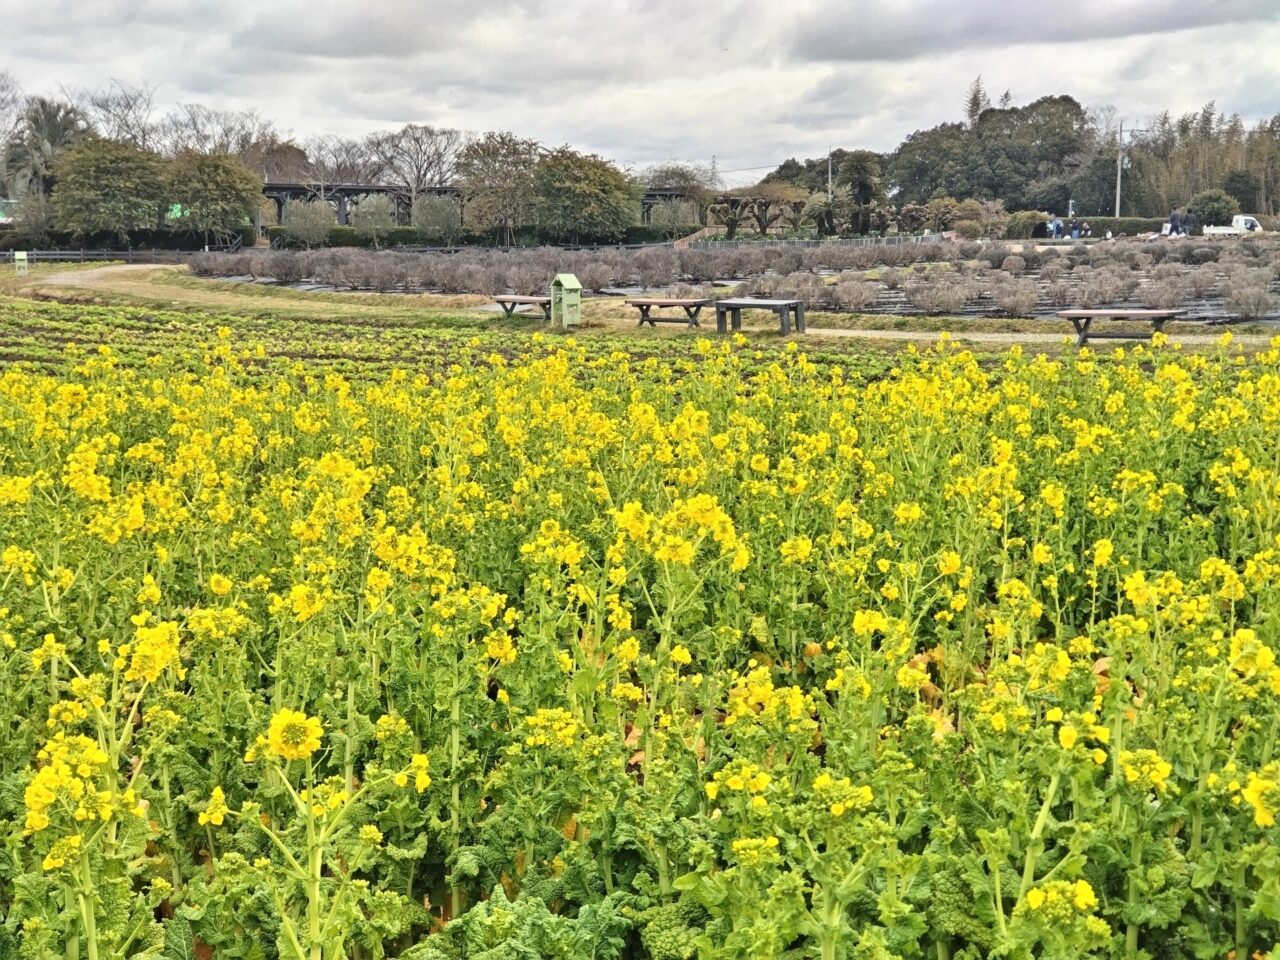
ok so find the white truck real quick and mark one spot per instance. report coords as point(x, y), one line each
point(1241, 224)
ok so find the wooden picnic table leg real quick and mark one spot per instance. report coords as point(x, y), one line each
point(507, 308)
point(720, 319)
point(1158, 326)
point(1082, 328)
point(784, 319)
point(737, 318)
point(693, 315)
point(546, 313)
point(800, 317)
point(644, 314)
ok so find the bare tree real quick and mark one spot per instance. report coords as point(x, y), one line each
point(200, 129)
point(274, 158)
point(121, 111)
point(342, 160)
point(11, 105)
point(417, 156)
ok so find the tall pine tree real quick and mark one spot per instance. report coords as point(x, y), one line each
point(976, 100)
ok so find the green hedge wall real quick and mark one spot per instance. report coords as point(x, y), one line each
point(138, 240)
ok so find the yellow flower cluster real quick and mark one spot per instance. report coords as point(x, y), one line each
point(71, 771)
point(1057, 896)
point(1145, 769)
point(839, 796)
point(152, 651)
point(292, 735)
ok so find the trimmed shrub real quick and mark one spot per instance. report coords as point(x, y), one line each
point(855, 294)
point(1014, 265)
point(891, 278)
point(595, 275)
point(1017, 299)
point(1250, 302)
point(1022, 223)
point(969, 229)
point(1059, 294)
point(938, 297)
point(1161, 294)
point(993, 254)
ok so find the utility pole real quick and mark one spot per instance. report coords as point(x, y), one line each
point(1119, 165)
point(1120, 159)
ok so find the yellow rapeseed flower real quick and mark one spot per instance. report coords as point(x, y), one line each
point(292, 735)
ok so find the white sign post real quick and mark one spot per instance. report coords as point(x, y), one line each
point(20, 262)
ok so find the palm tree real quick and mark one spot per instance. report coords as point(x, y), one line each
point(46, 129)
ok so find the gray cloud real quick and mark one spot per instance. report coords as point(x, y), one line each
point(889, 30)
point(748, 81)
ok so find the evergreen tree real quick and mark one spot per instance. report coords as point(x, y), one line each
point(976, 100)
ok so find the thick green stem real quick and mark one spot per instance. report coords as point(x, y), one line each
point(1242, 929)
point(349, 758)
point(1036, 846)
point(455, 811)
point(85, 897)
point(1131, 929)
point(314, 860)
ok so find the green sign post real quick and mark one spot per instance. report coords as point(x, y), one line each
point(20, 262)
point(566, 300)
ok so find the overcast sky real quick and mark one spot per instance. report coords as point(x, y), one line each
point(751, 82)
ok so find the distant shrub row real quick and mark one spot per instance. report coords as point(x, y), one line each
point(412, 237)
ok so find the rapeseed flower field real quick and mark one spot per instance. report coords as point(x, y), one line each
point(568, 652)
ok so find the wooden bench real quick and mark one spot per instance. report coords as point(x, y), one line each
point(509, 302)
point(646, 304)
point(1082, 319)
point(733, 307)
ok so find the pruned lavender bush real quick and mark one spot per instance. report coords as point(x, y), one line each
point(934, 297)
point(1250, 302)
point(1162, 294)
point(1017, 299)
point(855, 295)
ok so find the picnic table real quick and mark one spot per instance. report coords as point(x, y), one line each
point(691, 309)
point(1083, 319)
point(509, 302)
point(733, 307)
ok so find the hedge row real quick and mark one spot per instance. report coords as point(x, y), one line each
point(161, 239)
point(411, 237)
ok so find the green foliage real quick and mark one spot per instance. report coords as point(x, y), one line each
point(438, 219)
point(217, 193)
point(1021, 223)
point(1003, 153)
point(578, 195)
point(1245, 187)
point(1214, 208)
point(496, 173)
point(103, 186)
point(969, 229)
point(46, 129)
point(374, 217)
point(309, 222)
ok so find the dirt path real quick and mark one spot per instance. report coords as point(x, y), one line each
point(147, 283)
point(94, 276)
